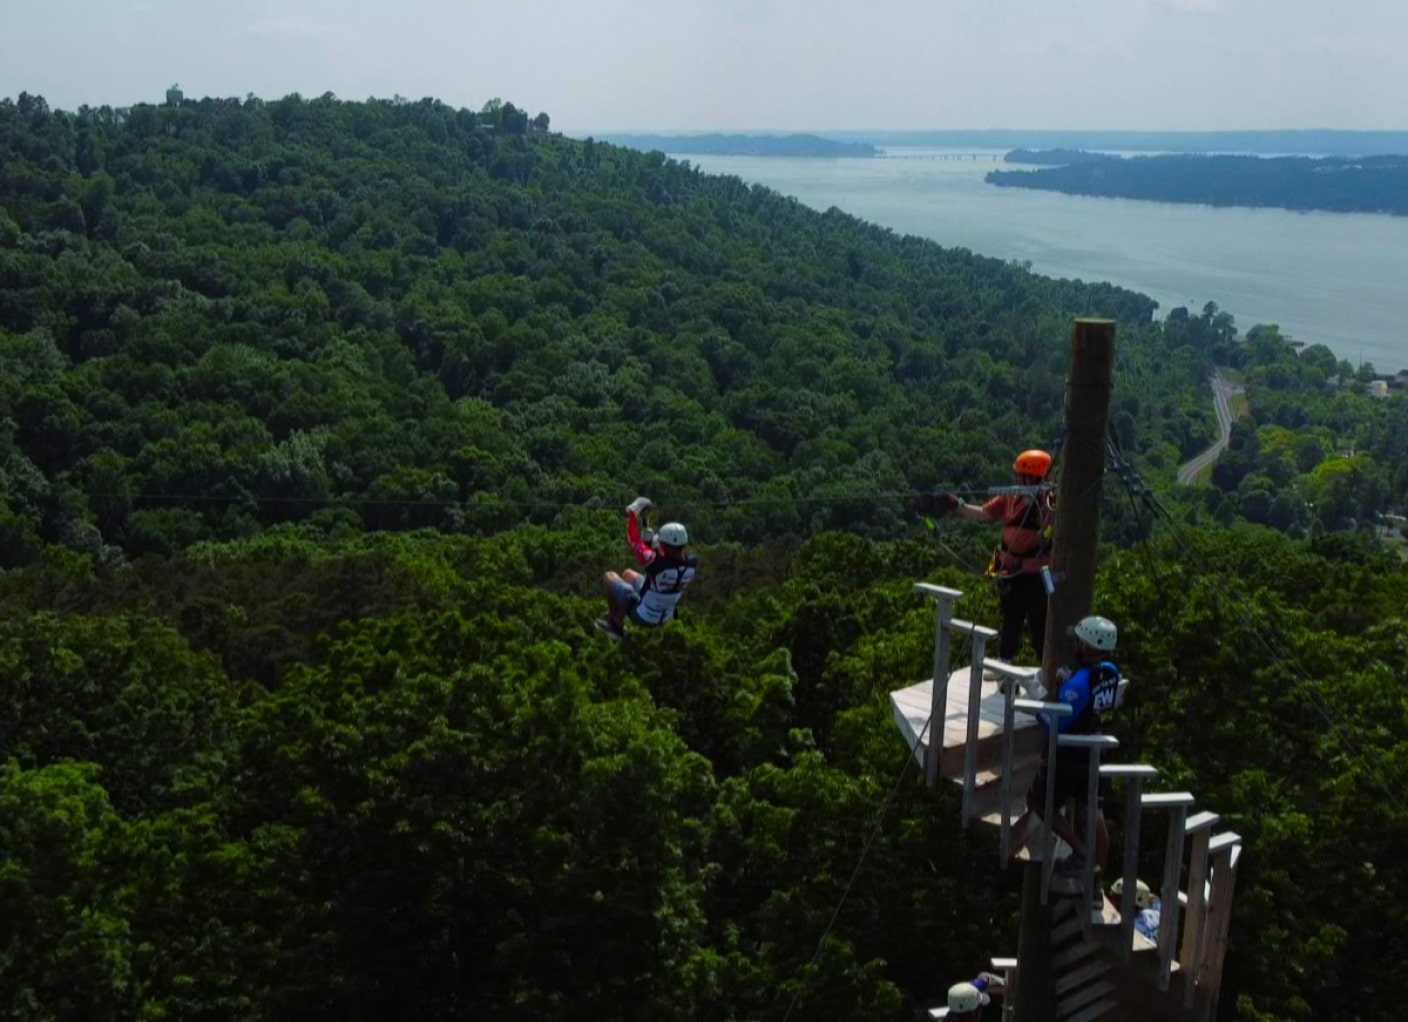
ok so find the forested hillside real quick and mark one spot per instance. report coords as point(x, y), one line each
point(444, 319)
point(316, 420)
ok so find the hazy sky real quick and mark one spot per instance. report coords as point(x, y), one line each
point(598, 65)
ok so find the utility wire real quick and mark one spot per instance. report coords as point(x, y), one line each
point(594, 503)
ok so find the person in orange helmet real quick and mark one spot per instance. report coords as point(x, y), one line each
point(1025, 548)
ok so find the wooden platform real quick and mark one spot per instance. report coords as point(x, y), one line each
point(911, 708)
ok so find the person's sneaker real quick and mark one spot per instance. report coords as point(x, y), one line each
point(613, 632)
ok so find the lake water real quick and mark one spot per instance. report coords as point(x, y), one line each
point(1340, 279)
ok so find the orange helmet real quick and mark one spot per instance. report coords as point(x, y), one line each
point(1033, 463)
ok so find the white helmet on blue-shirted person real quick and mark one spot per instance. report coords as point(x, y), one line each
point(965, 997)
point(1097, 633)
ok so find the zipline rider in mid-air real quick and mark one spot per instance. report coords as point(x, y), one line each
point(1025, 548)
point(649, 597)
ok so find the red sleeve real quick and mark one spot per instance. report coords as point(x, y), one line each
point(996, 509)
point(644, 555)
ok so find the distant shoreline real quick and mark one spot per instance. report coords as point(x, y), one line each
point(1179, 271)
point(1373, 184)
point(745, 145)
point(1311, 142)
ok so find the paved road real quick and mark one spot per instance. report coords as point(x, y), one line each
point(1221, 391)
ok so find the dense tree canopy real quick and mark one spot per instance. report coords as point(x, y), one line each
point(222, 315)
point(315, 422)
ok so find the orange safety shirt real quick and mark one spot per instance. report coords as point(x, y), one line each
point(1026, 531)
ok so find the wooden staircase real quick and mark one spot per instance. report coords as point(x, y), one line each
point(986, 737)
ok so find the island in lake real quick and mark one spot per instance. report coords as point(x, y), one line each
point(1371, 184)
point(1054, 157)
point(745, 145)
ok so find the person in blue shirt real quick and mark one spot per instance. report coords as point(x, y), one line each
point(967, 1000)
point(1090, 686)
point(1146, 904)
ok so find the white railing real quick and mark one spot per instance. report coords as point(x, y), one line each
point(1213, 859)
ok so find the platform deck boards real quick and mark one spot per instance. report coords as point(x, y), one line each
point(911, 709)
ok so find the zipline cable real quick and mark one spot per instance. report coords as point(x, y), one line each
point(594, 503)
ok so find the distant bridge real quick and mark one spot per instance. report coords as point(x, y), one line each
point(992, 157)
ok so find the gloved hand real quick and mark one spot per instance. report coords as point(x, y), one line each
point(994, 981)
point(638, 505)
point(939, 504)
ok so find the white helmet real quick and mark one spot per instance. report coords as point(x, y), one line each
point(1097, 632)
point(966, 997)
point(673, 534)
point(1143, 897)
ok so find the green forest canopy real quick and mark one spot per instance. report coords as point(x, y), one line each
point(317, 419)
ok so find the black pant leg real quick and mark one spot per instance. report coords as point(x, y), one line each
point(1014, 615)
point(1036, 615)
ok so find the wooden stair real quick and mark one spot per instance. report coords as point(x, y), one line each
point(984, 737)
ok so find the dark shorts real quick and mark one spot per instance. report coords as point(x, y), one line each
point(628, 599)
point(1072, 782)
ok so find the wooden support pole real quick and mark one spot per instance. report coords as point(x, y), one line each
point(1177, 803)
point(1129, 870)
point(1092, 800)
point(1009, 738)
point(1034, 999)
point(979, 641)
point(1190, 952)
point(1094, 746)
point(1076, 533)
point(1092, 806)
point(1048, 832)
point(1007, 969)
point(1222, 852)
point(943, 612)
point(1075, 538)
point(1168, 910)
point(1133, 775)
point(1047, 851)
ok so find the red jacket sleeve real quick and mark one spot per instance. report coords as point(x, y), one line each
point(644, 555)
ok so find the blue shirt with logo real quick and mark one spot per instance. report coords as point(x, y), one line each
point(1089, 694)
